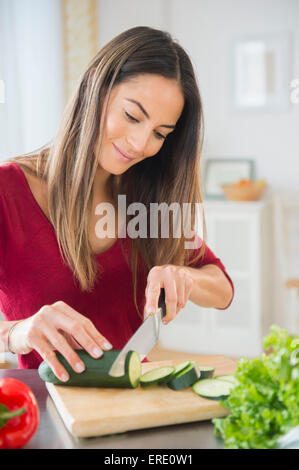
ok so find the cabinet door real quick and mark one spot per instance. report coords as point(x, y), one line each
point(189, 330)
point(234, 238)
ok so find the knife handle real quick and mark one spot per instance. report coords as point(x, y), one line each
point(161, 302)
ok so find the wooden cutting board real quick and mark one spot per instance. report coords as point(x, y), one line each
point(88, 412)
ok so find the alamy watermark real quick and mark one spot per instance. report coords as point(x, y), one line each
point(138, 227)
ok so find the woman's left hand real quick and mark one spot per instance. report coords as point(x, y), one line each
point(177, 283)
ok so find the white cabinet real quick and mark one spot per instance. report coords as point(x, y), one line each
point(240, 234)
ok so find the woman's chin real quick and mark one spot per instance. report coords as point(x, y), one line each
point(113, 169)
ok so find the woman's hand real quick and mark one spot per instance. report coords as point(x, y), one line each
point(177, 284)
point(58, 327)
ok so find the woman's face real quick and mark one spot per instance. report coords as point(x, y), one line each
point(140, 115)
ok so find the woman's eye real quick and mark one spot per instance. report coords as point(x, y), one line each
point(131, 118)
point(160, 136)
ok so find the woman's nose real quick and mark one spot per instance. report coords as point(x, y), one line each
point(138, 142)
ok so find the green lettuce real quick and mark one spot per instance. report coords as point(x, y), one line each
point(264, 404)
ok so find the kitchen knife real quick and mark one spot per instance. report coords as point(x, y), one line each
point(143, 340)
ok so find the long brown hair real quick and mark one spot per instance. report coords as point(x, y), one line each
point(68, 165)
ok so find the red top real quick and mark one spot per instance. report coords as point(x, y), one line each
point(32, 273)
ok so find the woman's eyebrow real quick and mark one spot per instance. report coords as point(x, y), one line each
point(146, 114)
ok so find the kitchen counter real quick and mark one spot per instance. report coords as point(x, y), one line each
point(52, 434)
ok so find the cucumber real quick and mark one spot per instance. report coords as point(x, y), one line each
point(96, 372)
point(160, 376)
point(179, 367)
point(214, 389)
point(206, 372)
point(229, 378)
point(185, 377)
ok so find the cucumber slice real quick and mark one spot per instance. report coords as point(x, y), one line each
point(179, 367)
point(206, 372)
point(161, 375)
point(96, 372)
point(215, 389)
point(229, 378)
point(185, 378)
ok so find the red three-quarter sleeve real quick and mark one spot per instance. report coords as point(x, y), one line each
point(209, 258)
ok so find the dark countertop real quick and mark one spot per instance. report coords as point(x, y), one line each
point(52, 434)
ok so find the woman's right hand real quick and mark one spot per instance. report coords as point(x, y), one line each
point(58, 327)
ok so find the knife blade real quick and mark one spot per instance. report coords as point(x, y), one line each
point(143, 340)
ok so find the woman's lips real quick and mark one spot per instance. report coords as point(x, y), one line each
point(122, 156)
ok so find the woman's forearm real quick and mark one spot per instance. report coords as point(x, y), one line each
point(211, 288)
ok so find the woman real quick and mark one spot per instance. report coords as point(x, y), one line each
point(132, 128)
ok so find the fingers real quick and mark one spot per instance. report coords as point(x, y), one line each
point(82, 329)
point(61, 328)
point(171, 294)
point(152, 293)
point(158, 277)
point(72, 342)
point(45, 338)
point(48, 355)
point(59, 343)
point(177, 283)
point(181, 290)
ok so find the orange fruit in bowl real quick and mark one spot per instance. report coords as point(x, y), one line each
point(244, 182)
point(245, 190)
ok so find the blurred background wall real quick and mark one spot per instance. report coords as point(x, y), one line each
point(33, 67)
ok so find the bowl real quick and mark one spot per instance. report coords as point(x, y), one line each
point(244, 190)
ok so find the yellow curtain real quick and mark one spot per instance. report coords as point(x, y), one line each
point(80, 40)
